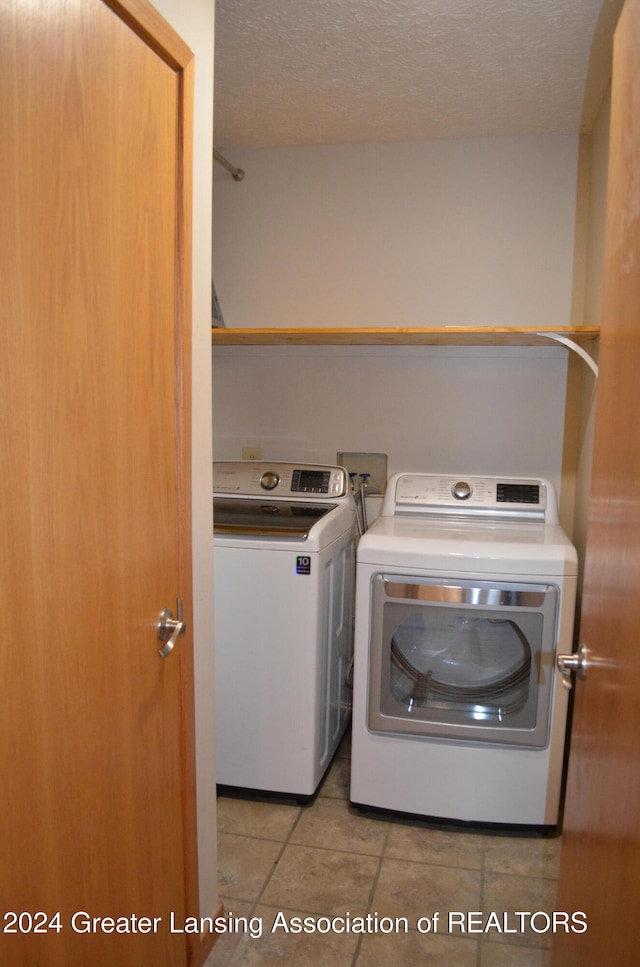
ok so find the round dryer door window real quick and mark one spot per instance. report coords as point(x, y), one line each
point(469, 659)
point(457, 658)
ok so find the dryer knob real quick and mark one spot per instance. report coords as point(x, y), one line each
point(269, 480)
point(461, 490)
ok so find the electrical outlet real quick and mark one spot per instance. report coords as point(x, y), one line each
point(252, 453)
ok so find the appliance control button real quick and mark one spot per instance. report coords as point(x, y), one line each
point(461, 490)
point(269, 480)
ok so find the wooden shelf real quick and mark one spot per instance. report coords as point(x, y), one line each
point(447, 336)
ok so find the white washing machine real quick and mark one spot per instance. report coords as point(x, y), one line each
point(465, 592)
point(284, 571)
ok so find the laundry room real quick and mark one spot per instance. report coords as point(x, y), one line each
point(376, 236)
point(328, 247)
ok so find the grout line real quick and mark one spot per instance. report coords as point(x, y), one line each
point(372, 892)
point(277, 860)
point(253, 905)
point(483, 870)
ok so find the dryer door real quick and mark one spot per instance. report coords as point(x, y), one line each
point(469, 660)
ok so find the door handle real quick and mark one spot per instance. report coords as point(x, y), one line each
point(578, 663)
point(169, 629)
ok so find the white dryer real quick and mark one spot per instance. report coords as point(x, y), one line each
point(284, 572)
point(465, 592)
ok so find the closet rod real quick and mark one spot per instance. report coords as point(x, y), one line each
point(238, 173)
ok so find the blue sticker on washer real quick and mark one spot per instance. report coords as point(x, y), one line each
point(303, 564)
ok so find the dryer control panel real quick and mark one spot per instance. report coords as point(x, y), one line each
point(467, 495)
point(252, 478)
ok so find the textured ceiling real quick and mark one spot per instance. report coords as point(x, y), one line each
point(300, 72)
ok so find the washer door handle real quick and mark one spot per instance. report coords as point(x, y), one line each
point(578, 663)
point(169, 629)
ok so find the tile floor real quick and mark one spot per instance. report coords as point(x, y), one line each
point(282, 861)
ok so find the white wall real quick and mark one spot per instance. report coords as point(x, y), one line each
point(435, 233)
point(473, 410)
point(194, 21)
point(477, 232)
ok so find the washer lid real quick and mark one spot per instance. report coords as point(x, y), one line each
point(266, 518)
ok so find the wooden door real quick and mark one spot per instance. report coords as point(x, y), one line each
point(97, 796)
point(601, 845)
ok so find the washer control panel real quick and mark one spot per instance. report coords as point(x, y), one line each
point(250, 478)
point(420, 493)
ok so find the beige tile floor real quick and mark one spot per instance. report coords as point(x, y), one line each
point(279, 861)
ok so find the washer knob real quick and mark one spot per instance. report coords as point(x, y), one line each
point(461, 490)
point(269, 480)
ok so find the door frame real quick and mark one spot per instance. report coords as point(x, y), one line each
point(144, 20)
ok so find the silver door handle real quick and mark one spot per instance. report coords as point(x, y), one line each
point(577, 663)
point(169, 629)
